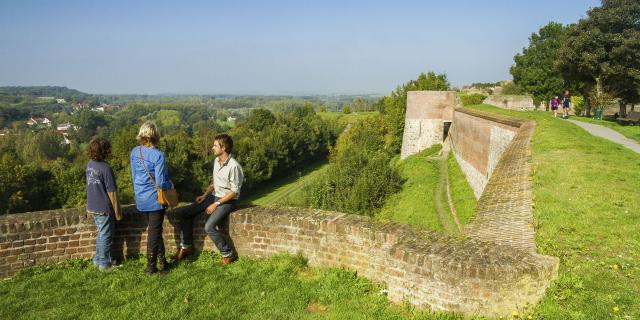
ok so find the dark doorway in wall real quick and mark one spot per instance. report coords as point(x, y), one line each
point(445, 133)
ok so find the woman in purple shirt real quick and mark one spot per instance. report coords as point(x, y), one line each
point(147, 163)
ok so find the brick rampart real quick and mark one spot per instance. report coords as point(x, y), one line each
point(426, 268)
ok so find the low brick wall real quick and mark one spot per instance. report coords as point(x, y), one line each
point(426, 268)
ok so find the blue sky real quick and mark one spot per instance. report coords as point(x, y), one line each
point(265, 47)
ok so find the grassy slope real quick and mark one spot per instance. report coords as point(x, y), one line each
point(286, 190)
point(587, 213)
point(415, 203)
point(280, 287)
point(464, 201)
point(631, 132)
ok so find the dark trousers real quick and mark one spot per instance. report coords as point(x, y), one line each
point(217, 225)
point(155, 243)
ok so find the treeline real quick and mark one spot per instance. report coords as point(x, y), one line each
point(38, 172)
point(362, 173)
point(598, 57)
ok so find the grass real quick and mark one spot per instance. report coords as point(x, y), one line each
point(631, 132)
point(415, 203)
point(587, 213)
point(280, 287)
point(286, 191)
point(464, 201)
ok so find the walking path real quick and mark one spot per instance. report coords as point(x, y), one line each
point(610, 134)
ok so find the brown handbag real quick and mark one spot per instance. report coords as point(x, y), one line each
point(167, 197)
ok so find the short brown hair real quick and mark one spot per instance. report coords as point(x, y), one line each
point(225, 141)
point(99, 149)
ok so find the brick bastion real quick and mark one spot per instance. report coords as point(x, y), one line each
point(426, 268)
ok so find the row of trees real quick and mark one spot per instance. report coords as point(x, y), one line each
point(38, 172)
point(599, 57)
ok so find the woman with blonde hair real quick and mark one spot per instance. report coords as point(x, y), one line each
point(148, 170)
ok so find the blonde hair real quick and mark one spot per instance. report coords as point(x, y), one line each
point(148, 133)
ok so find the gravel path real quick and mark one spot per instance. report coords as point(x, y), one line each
point(604, 132)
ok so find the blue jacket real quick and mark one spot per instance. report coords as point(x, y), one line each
point(145, 192)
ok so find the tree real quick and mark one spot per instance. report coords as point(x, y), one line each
point(534, 69)
point(603, 50)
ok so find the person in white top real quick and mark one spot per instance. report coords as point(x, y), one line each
point(218, 201)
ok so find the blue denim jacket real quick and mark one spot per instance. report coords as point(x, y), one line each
point(145, 192)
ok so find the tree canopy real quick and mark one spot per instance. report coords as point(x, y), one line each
point(534, 69)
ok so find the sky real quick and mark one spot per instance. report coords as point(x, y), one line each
point(266, 47)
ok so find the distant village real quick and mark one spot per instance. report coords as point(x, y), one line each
point(63, 129)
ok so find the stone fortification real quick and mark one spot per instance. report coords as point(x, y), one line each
point(511, 102)
point(424, 127)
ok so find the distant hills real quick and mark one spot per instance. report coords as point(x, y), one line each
point(42, 91)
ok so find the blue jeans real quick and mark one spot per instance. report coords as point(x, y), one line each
point(217, 225)
point(105, 225)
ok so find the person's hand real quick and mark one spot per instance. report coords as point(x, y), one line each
point(211, 208)
point(200, 198)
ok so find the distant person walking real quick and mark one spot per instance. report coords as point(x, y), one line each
point(218, 201)
point(102, 200)
point(554, 103)
point(566, 104)
point(147, 163)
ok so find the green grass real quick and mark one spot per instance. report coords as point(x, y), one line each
point(288, 190)
point(280, 287)
point(631, 132)
point(587, 212)
point(464, 201)
point(415, 203)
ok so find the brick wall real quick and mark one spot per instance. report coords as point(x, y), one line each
point(478, 141)
point(425, 268)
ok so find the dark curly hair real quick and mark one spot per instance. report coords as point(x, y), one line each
point(99, 149)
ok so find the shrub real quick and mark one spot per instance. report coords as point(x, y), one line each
point(472, 99)
point(578, 104)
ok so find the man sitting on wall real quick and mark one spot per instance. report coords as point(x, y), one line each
point(218, 201)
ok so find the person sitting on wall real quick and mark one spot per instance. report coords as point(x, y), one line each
point(218, 201)
point(102, 200)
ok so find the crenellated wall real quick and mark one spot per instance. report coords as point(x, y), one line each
point(426, 268)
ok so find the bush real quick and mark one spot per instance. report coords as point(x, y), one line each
point(360, 176)
point(578, 104)
point(472, 99)
point(512, 89)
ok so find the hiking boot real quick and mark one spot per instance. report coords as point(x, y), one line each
point(151, 265)
point(183, 253)
point(229, 260)
point(163, 266)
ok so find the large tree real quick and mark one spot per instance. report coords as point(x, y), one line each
point(603, 50)
point(534, 68)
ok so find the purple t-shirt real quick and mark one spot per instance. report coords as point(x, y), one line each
point(100, 180)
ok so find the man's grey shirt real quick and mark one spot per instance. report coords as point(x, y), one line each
point(227, 177)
